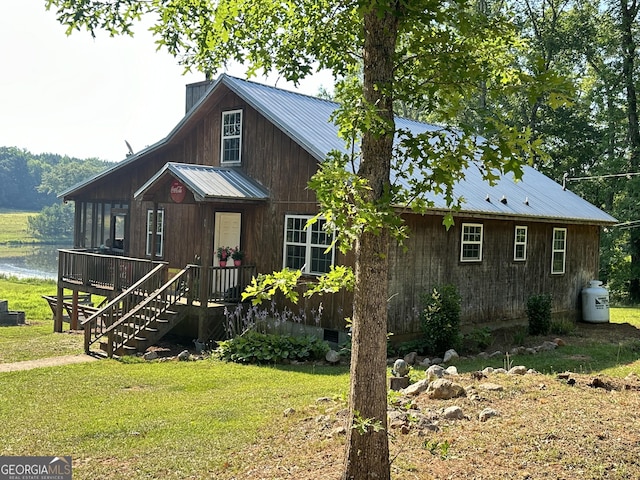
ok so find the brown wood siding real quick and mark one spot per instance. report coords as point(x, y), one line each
point(495, 290)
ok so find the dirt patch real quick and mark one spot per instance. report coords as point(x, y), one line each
point(570, 427)
point(45, 362)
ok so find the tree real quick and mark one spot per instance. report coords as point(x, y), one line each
point(428, 53)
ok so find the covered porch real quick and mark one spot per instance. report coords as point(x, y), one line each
point(140, 293)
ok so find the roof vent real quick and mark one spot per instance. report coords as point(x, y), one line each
point(503, 200)
point(526, 201)
point(488, 199)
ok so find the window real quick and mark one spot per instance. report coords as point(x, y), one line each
point(471, 245)
point(558, 251)
point(231, 137)
point(520, 244)
point(159, 233)
point(304, 248)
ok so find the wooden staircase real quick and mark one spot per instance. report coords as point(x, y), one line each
point(140, 315)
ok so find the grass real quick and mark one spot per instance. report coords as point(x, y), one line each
point(207, 419)
point(35, 340)
point(13, 227)
point(173, 420)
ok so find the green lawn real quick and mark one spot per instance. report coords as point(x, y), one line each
point(172, 420)
point(191, 420)
point(13, 227)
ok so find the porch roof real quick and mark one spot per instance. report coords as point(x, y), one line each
point(207, 183)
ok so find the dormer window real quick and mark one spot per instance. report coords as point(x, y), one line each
point(231, 137)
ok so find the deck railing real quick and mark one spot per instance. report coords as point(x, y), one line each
point(107, 272)
point(226, 284)
point(96, 326)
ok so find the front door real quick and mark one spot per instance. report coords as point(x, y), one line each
point(226, 234)
point(226, 231)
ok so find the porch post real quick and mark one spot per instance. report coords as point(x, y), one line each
point(154, 232)
point(73, 321)
point(57, 322)
point(207, 259)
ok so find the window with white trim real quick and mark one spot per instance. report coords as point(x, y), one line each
point(559, 251)
point(305, 247)
point(159, 233)
point(520, 244)
point(471, 244)
point(231, 137)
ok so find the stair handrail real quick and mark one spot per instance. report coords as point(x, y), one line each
point(180, 290)
point(111, 309)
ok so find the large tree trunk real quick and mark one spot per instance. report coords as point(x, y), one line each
point(367, 454)
point(628, 11)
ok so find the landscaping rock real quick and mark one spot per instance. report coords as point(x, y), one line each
point(425, 362)
point(517, 370)
point(546, 347)
point(400, 368)
point(152, 355)
point(184, 356)
point(398, 383)
point(436, 361)
point(497, 353)
point(450, 356)
point(453, 413)
point(499, 370)
point(451, 370)
point(443, 389)
point(434, 372)
point(417, 388)
point(559, 342)
point(332, 356)
point(488, 413)
point(491, 387)
point(410, 358)
point(488, 371)
point(288, 412)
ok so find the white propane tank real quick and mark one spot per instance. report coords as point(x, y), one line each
point(595, 303)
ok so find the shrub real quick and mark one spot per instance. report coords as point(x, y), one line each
point(562, 327)
point(539, 314)
point(441, 319)
point(255, 347)
point(478, 339)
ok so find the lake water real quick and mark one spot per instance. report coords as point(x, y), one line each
point(30, 261)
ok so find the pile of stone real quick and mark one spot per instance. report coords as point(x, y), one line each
point(8, 317)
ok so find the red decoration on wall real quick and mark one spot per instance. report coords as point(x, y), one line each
point(178, 191)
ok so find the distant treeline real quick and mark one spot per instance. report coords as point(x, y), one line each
point(32, 181)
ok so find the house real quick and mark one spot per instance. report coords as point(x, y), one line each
point(234, 172)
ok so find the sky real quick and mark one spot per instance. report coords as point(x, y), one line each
point(83, 97)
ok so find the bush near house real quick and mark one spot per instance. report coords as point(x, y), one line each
point(539, 314)
point(441, 319)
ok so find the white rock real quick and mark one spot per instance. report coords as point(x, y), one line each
point(416, 388)
point(451, 370)
point(517, 370)
point(453, 413)
point(434, 372)
point(332, 356)
point(488, 370)
point(450, 356)
point(487, 413)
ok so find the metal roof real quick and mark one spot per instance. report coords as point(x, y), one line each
point(210, 183)
point(307, 120)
